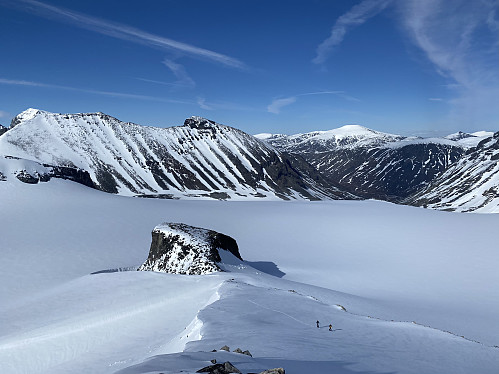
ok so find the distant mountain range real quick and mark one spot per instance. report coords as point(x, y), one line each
point(205, 159)
point(373, 164)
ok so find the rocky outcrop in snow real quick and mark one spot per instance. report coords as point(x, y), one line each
point(182, 249)
point(225, 368)
point(33, 172)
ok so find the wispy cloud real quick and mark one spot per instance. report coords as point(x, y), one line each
point(124, 32)
point(356, 16)
point(224, 105)
point(183, 79)
point(277, 104)
point(435, 99)
point(157, 82)
point(341, 94)
point(4, 114)
point(461, 39)
point(202, 104)
point(95, 92)
point(448, 41)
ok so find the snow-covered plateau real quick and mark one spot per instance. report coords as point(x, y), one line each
point(406, 290)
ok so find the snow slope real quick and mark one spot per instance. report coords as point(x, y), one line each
point(303, 260)
point(469, 185)
point(201, 158)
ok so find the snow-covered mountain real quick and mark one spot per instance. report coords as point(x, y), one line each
point(200, 158)
point(348, 136)
point(370, 163)
point(469, 140)
point(471, 184)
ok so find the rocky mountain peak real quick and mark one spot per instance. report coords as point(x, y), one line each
point(27, 115)
point(196, 122)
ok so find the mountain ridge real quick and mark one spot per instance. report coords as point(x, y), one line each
point(205, 159)
point(199, 158)
point(470, 184)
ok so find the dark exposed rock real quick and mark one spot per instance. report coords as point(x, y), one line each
point(183, 249)
point(247, 353)
point(238, 350)
point(26, 177)
point(225, 348)
point(167, 196)
point(44, 172)
point(74, 174)
point(224, 368)
point(385, 173)
point(274, 371)
point(3, 129)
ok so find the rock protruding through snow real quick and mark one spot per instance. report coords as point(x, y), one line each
point(182, 249)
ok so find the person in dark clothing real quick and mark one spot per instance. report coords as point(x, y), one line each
point(317, 323)
point(330, 327)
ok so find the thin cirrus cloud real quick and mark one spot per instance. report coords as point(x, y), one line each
point(277, 104)
point(356, 16)
point(124, 32)
point(4, 114)
point(463, 48)
point(201, 101)
point(14, 82)
point(158, 82)
point(449, 42)
point(183, 79)
point(460, 38)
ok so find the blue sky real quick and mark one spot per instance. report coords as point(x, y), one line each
point(401, 66)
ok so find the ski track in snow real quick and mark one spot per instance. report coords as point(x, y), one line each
point(366, 316)
point(279, 311)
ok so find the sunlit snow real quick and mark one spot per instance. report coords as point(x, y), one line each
point(407, 290)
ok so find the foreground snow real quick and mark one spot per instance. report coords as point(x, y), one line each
point(389, 262)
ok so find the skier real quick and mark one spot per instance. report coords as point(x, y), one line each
point(330, 327)
point(317, 323)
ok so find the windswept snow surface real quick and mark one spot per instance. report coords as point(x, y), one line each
point(387, 265)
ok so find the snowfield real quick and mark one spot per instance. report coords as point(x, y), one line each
point(407, 290)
